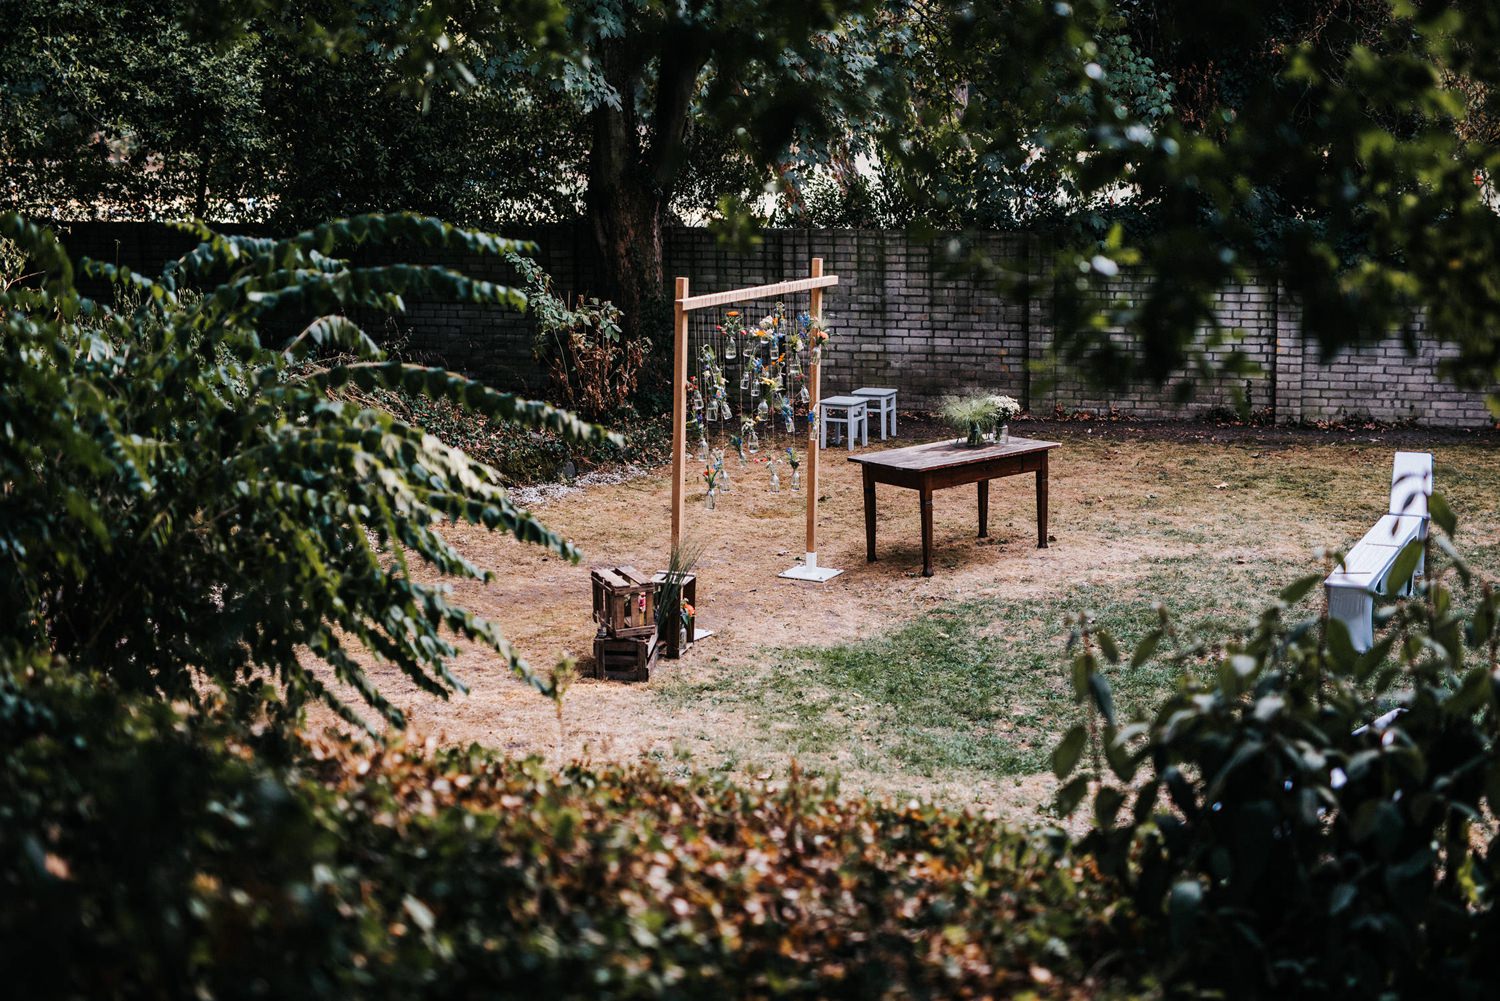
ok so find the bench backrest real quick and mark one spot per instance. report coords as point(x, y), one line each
point(1411, 483)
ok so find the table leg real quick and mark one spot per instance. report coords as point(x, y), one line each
point(1041, 504)
point(984, 508)
point(869, 517)
point(924, 495)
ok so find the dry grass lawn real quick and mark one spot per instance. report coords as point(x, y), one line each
point(951, 687)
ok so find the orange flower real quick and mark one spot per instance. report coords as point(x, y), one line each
point(688, 609)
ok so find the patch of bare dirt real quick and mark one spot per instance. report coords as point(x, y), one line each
point(1123, 496)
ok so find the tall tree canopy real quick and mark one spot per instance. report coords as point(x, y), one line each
point(1343, 149)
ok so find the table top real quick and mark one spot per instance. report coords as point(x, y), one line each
point(842, 401)
point(874, 391)
point(946, 454)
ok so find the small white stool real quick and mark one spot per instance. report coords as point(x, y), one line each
point(855, 419)
point(884, 403)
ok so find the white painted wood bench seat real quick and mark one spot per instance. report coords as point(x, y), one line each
point(1352, 586)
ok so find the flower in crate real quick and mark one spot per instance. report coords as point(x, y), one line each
point(791, 457)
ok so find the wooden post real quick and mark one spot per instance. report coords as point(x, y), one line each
point(815, 381)
point(679, 408)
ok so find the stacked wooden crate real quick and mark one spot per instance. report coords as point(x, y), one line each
point(625, 647)
point(675, 641)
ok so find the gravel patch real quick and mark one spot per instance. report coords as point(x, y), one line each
point(542, 494)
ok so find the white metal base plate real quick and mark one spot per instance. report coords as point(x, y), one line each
point(809, 570)
point(701, 634)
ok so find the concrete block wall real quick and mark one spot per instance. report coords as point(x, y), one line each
point(904, 316)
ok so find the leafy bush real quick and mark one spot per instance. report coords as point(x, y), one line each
point(1313, 821)
point(144, 853)
point(183, 502)
point(523, 454)
point(592, 368)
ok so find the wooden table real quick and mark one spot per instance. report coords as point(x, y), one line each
point(939, 464)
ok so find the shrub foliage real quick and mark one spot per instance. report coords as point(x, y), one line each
point(1310, 820)
point(185, 501)
point(143, 853)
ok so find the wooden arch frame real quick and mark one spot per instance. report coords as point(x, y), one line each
point(684, 304)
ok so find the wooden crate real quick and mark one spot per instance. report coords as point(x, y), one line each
point(624, 603)
point(671, 638)
point(628, 659)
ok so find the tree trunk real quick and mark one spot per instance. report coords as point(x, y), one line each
point(630, 184)
point(627, 218)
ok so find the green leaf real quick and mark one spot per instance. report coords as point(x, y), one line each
point(1446, 547)
point(1183, 905)
point(1145, 648)
point(1122, 760)
point(1068, 750)
point(1473, 694)
point(1083, 664)
point(1070, 795)
point(1107, 646)
point(1404, 566)
point(1299, 588)
point(1107, 803)
point(1103, 697)
point(1340, 646)
point(1442, 514)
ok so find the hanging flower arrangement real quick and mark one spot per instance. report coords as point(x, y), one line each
point(720, 471)
point(732, 329)
point(711, 477)
point(817, 333)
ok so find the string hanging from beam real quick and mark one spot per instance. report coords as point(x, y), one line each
point(747, 380)
point(759, 366)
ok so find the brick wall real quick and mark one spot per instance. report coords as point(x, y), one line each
point(905, 317)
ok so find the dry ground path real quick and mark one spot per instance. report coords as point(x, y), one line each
point(1212, 520)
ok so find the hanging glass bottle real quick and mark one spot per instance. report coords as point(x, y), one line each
point(775, 480)
point(731, 352)
point(702, 448)
point(762, 411)
point(796, 478)
point(803, 394)
point(752, 442)
point(755, 389)
point(697, 399)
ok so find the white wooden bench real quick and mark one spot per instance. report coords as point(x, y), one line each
point(1352, 586)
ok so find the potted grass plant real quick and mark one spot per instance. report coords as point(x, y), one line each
point(969, 415)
